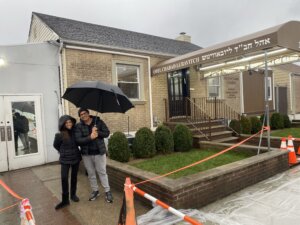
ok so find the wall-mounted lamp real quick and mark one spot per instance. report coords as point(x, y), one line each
point(2, 62)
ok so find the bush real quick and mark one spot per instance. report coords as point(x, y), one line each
point(256, 125)
point(286, 121)
point(235, 125)
point(276, 121)
point(262, 119)
point(245, 125)
point(183, 139)
point(143, 145)
point(164, 139)
point(118, 148)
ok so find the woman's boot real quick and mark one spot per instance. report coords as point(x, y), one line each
point(65, 202)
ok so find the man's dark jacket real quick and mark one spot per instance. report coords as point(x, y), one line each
point(67, 147)
point(83, 137)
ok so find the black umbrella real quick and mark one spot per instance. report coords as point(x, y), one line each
point(24, 106)
point(98, 96)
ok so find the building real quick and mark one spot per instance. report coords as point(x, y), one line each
point(166, 79)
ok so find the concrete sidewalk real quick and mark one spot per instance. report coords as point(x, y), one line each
point(42, 186)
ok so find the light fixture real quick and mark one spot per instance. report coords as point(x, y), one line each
point(245, 59)
point(2, 62)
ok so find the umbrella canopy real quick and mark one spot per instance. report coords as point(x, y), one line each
point(24, 106)
point(98, 96)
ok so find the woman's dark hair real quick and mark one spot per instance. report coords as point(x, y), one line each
point(65, 132)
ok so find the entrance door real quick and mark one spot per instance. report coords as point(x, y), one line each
point(281, 100)
point(21, 133)
point(179, 90)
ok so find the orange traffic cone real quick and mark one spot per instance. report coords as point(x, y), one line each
point(298, 152)
point(283, 144)
point(290, 148)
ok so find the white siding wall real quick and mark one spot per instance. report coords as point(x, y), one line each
point(39, 32)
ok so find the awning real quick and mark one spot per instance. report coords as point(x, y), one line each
point(284, 36)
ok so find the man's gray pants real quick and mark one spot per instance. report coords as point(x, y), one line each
point(93, 164)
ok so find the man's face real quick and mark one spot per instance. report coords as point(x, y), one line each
point(84, 116)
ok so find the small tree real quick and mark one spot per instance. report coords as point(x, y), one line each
point(276, 121)
point(235, 125)
point(286, 121)
point(118, 148)
point(245, 125)
point(183, 139)
point(164, 139)
point(256, 125)
point(144, 143)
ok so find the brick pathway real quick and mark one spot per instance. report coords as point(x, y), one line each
point(26, 184)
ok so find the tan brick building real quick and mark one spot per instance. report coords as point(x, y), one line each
point(120, 57)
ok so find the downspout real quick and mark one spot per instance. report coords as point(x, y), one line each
point(150, 94)
point(61, 107)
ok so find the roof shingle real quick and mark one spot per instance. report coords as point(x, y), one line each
point(113, 37)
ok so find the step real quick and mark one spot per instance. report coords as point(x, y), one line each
point(225, 140)
point(215, 128)
point(215, 134)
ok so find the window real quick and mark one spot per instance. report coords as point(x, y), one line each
point(128, 80)
point(214, 87)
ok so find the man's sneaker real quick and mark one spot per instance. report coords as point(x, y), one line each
point(109, 197)
point(94, 195)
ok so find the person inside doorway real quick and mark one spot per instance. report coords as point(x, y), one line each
point(21, 129)
point(70, 156)
point(90, 133)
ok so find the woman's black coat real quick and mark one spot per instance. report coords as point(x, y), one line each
point(67, 148)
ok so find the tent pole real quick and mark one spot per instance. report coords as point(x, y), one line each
point(267, 99)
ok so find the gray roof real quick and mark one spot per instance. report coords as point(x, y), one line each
point(112, 37)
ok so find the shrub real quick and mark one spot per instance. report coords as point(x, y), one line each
point(262, 119)
point(143, 145)
point(235, 125)
point(118, 148)
point(276, 121)
point(255, 124)
point(286, 121)
point(183, 140)
point(245, 125)
point(164, 139)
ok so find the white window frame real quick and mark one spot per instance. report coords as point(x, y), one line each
point(140, 78)
point(220, 87)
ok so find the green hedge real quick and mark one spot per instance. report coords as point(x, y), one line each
point(256, 125)
point(286, 121)
point(143, 145)
point(235, 125)
point(183, 139)
point(164, 139)
point(118, 148)
point(245, 125)
point(276, 121)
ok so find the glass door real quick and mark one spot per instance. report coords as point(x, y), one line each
point(22, 141)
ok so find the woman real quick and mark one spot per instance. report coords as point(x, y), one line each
point(64, 143)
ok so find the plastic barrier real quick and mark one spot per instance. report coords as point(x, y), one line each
point(26, 215)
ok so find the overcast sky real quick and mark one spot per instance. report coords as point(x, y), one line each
point(207, 21)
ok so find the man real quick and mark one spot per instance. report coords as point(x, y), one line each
point(89, 135)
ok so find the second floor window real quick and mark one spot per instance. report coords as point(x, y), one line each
point(128, 80)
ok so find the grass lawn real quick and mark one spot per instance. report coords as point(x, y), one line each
point(295, 132)
point(162, 164)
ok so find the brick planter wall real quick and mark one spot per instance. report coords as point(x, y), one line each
point(200, 189)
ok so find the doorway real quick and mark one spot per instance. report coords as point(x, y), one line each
point(21, 141)
point(179, 90)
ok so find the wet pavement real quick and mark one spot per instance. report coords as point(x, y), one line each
point(275, 201)
point(42, 186)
